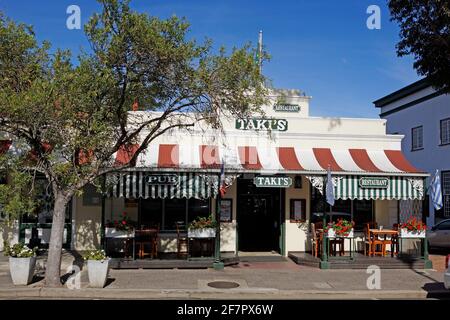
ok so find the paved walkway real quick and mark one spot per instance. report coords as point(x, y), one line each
point(256, 280)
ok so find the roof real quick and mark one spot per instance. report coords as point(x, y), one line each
point(403, 92)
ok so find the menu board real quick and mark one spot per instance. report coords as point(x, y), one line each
point(226, 210)
point(298, 210)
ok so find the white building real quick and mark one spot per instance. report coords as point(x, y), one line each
point(276, 180)
point(422, 115)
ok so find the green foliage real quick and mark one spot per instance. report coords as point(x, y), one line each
point(19, 250)
point(98, 255)
point(18, 197)
point(425, 33)
point(75, 116)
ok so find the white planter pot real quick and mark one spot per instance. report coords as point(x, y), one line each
point(202, 233)
point(98, 272)
point(114, 233)
point(22, 270)
point(332, 234)
point(405, 233)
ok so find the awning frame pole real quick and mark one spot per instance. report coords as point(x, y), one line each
point(218, 264)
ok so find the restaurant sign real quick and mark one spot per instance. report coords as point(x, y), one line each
point(286, 107)
point(373, 182)
point(162, 179)
point(273, 181)
point(262, 124)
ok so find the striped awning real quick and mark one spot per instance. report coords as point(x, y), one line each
point(395, 188)
point(189, 185)
point(273, 159)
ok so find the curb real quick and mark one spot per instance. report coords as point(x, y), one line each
point(264, 294)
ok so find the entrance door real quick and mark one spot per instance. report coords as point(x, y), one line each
point(258, 215)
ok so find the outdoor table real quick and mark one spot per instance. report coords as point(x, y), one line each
point(125, 236)
point(383, 233)
point(343, 243)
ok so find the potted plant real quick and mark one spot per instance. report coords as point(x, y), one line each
point(341, 228)
point(120, 229)
point(22, 262)
point(98, 267)
point(413, 228)
point(202, 227)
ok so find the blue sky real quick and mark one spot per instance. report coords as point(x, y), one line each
point(322, 47)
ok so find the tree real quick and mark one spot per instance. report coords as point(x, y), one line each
point(74, 117)
point(425, 33)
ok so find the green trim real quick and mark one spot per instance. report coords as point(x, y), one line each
point(283, 238)
point(24, 226)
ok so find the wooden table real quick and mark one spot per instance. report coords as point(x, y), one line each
point(384, 233)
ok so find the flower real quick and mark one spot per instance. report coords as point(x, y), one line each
point(125, 224)
point(19, 250)
point(203, 222)
point(341, 227)
point(413, 225)
point(98, 255)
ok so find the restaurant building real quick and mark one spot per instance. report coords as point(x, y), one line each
point(275, 167)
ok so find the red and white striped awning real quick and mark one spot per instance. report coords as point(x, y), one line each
point(276, 159)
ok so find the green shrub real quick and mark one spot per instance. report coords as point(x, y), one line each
point(98, 255)
point(19, 250)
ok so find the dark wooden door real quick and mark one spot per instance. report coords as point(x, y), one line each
point(258, 217)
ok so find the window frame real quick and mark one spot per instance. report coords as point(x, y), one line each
point(412, 138)
point(442, 143)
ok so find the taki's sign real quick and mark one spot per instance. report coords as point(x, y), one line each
point(162, 179)
point(273, 181)
point(374, 182)
point(262, 124)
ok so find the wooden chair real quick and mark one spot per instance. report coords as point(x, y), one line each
point(374, 243)
point(336, 242)
point(315, 242)
point(147, 237)
point(182, 239)
point(395, 242)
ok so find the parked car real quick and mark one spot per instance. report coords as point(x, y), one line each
point(439, 235)
point(447, 273)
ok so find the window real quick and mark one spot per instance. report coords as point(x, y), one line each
point(446, 192)
point(198, 208)
point(417, 138)
point(443, 226)
point(174, 211)
point(91, 197)
point(151, 213)
point(362, 213)
point(445, 131)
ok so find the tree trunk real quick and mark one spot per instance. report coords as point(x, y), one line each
point(53, 268)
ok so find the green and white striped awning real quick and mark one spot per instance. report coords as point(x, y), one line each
point(189, 185)
point(394, 188)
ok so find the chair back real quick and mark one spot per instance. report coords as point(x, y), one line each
point(181, 227)
point(313, 231)
point(367, 231)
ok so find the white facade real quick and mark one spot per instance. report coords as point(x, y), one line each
point(419, 105)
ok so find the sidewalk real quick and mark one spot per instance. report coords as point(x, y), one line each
point(273, 280)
